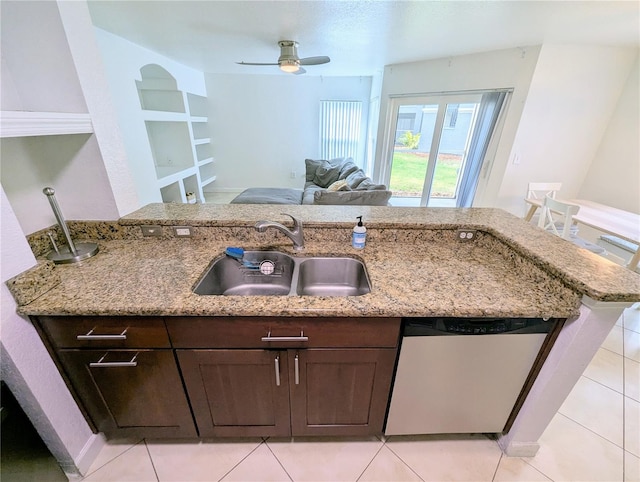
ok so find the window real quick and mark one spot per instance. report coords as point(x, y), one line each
point(340, 123)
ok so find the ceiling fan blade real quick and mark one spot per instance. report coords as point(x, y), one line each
point(299, 71)
point(254, 63)
point(323, 59)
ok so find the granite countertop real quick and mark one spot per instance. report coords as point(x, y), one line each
point(416, 265)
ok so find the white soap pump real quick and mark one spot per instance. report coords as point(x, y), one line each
point(359, 236)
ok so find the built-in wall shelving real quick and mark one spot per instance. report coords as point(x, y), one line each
point(26, 124)
point(179, 138)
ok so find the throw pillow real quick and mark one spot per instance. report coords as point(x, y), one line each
point(311, 168)
point(347, 168)
point(340, 185)
point(355, 178)
point(368, 185)
point(327, 174)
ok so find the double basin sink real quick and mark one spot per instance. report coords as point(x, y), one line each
point(272, 273)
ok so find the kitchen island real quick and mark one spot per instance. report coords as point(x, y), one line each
point(417, 264)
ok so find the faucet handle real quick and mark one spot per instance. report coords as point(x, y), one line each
point(296, 222)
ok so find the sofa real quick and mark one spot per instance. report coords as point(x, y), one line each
point(336, 181)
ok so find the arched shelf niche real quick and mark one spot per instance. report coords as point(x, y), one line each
point(178, 136)
point(158, 90)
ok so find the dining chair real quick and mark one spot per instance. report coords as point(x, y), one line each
point(538, 190)
point(557, 218)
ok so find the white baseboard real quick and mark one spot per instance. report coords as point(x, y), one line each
point(89, 452)
point(519, 449)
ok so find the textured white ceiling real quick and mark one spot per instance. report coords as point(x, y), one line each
point(361, 37)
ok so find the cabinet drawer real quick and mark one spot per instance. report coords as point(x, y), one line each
point(250, 332)
point(105, 332)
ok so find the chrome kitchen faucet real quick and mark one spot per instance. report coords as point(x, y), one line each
point(296, 234)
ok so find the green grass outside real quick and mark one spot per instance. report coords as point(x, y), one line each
point(409, 169)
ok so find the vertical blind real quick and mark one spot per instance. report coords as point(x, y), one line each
point(339, 128)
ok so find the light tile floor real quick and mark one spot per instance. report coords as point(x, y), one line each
point(594, 436)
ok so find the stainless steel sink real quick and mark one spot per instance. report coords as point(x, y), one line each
point(332, 277)
point(229, 276)
point(272, 273)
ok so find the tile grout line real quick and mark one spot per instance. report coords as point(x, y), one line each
point(536, 468)
point(592, 431)
point(111, 460)
point(151, 459)
point(241, 460)
point(495, 472)
point(605, 386)
point(522, 459)
point(372, 459)
point(278, 460)
point(405, 463)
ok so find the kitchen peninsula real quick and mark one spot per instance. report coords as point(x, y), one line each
point(417, 265)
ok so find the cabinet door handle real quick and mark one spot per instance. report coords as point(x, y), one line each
point(91, 336)
point(277, 363)
point(285, 338)
point(296, 370)
point(104, 364)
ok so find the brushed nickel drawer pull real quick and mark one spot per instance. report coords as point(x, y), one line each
point(277, 362)
point(101, 364)
point(296, 366)
point(90, 336)
point(286, 338)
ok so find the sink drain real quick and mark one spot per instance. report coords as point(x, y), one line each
point(267, 267)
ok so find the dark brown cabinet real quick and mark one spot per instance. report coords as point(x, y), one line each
point(340, 392)
point(237, 393)
point(124, 374)
point(280, 377)
point(243, 376)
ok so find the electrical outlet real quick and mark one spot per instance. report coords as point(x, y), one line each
point(466, 234)
point(151, 230)
point(293, 174)
point(182, 231)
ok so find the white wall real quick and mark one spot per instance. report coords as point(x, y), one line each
point(511, 68)
point(91, 75)
point(123, 61)
point(28, 369)
point(39, 69)
point(72, 165)
point(572, 97)
point(263, 127)
point(614, 175)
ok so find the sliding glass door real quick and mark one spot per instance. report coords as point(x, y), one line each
point(431, 147)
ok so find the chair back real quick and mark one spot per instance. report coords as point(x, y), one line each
point(538, 190)
point(563, 210)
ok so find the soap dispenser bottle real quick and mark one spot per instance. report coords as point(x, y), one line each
point(359, 235)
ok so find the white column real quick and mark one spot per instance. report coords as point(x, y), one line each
point(574, 348)
point(29, 371)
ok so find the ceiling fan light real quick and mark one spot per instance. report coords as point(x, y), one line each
point(289, 66)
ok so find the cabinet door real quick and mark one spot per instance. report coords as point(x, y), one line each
point(131, 392)
point(237, 393)
point(339, 392)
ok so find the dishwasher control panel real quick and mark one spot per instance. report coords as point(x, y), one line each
point(474, 326)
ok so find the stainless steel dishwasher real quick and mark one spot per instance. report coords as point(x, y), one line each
point(461, 375)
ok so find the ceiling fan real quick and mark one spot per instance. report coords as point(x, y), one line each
point(289, 60)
